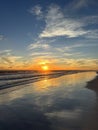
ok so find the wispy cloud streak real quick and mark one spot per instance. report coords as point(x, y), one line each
point(58, 25)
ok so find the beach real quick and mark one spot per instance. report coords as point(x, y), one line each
point(93, 85)
point(54, 102)
point(15, 78)
point(92, 123)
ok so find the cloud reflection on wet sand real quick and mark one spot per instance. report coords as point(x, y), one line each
point(61, 103)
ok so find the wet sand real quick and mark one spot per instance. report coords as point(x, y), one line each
point(65, 104)
point(12, 79)
point(28, 79)
point(93, 85)
point(92, 123)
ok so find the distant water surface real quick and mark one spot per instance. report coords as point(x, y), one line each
point(61, 103)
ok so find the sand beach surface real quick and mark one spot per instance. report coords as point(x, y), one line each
point(93, 85)
point(54, 101)
point(92, 123)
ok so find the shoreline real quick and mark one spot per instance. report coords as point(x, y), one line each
point(93, 84)
point(33, 78)
point(92, 122)
point(26, 79)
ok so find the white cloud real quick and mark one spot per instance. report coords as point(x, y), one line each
point(69, 48)
point(5, 52)
point(38, 46)
point(58, 25)
point(92, 34)
point(79, 46)
point(36, 10)
point(81, 62)
point(41, 54)
point(78, 4)
point(7, 58)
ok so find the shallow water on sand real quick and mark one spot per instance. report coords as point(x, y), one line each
point(61, 103)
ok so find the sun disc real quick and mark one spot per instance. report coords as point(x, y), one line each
point(45, 68)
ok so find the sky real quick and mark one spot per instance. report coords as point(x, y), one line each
point(60, 34)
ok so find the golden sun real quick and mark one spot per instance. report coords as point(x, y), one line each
point(45, 68)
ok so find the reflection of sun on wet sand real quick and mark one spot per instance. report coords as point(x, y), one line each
point(92, 123)
point(11, 78)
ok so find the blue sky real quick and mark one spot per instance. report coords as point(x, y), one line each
point(60, 33)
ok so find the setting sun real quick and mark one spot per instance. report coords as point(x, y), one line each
point(45, 67)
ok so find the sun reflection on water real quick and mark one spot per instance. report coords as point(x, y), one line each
point(46, 85)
